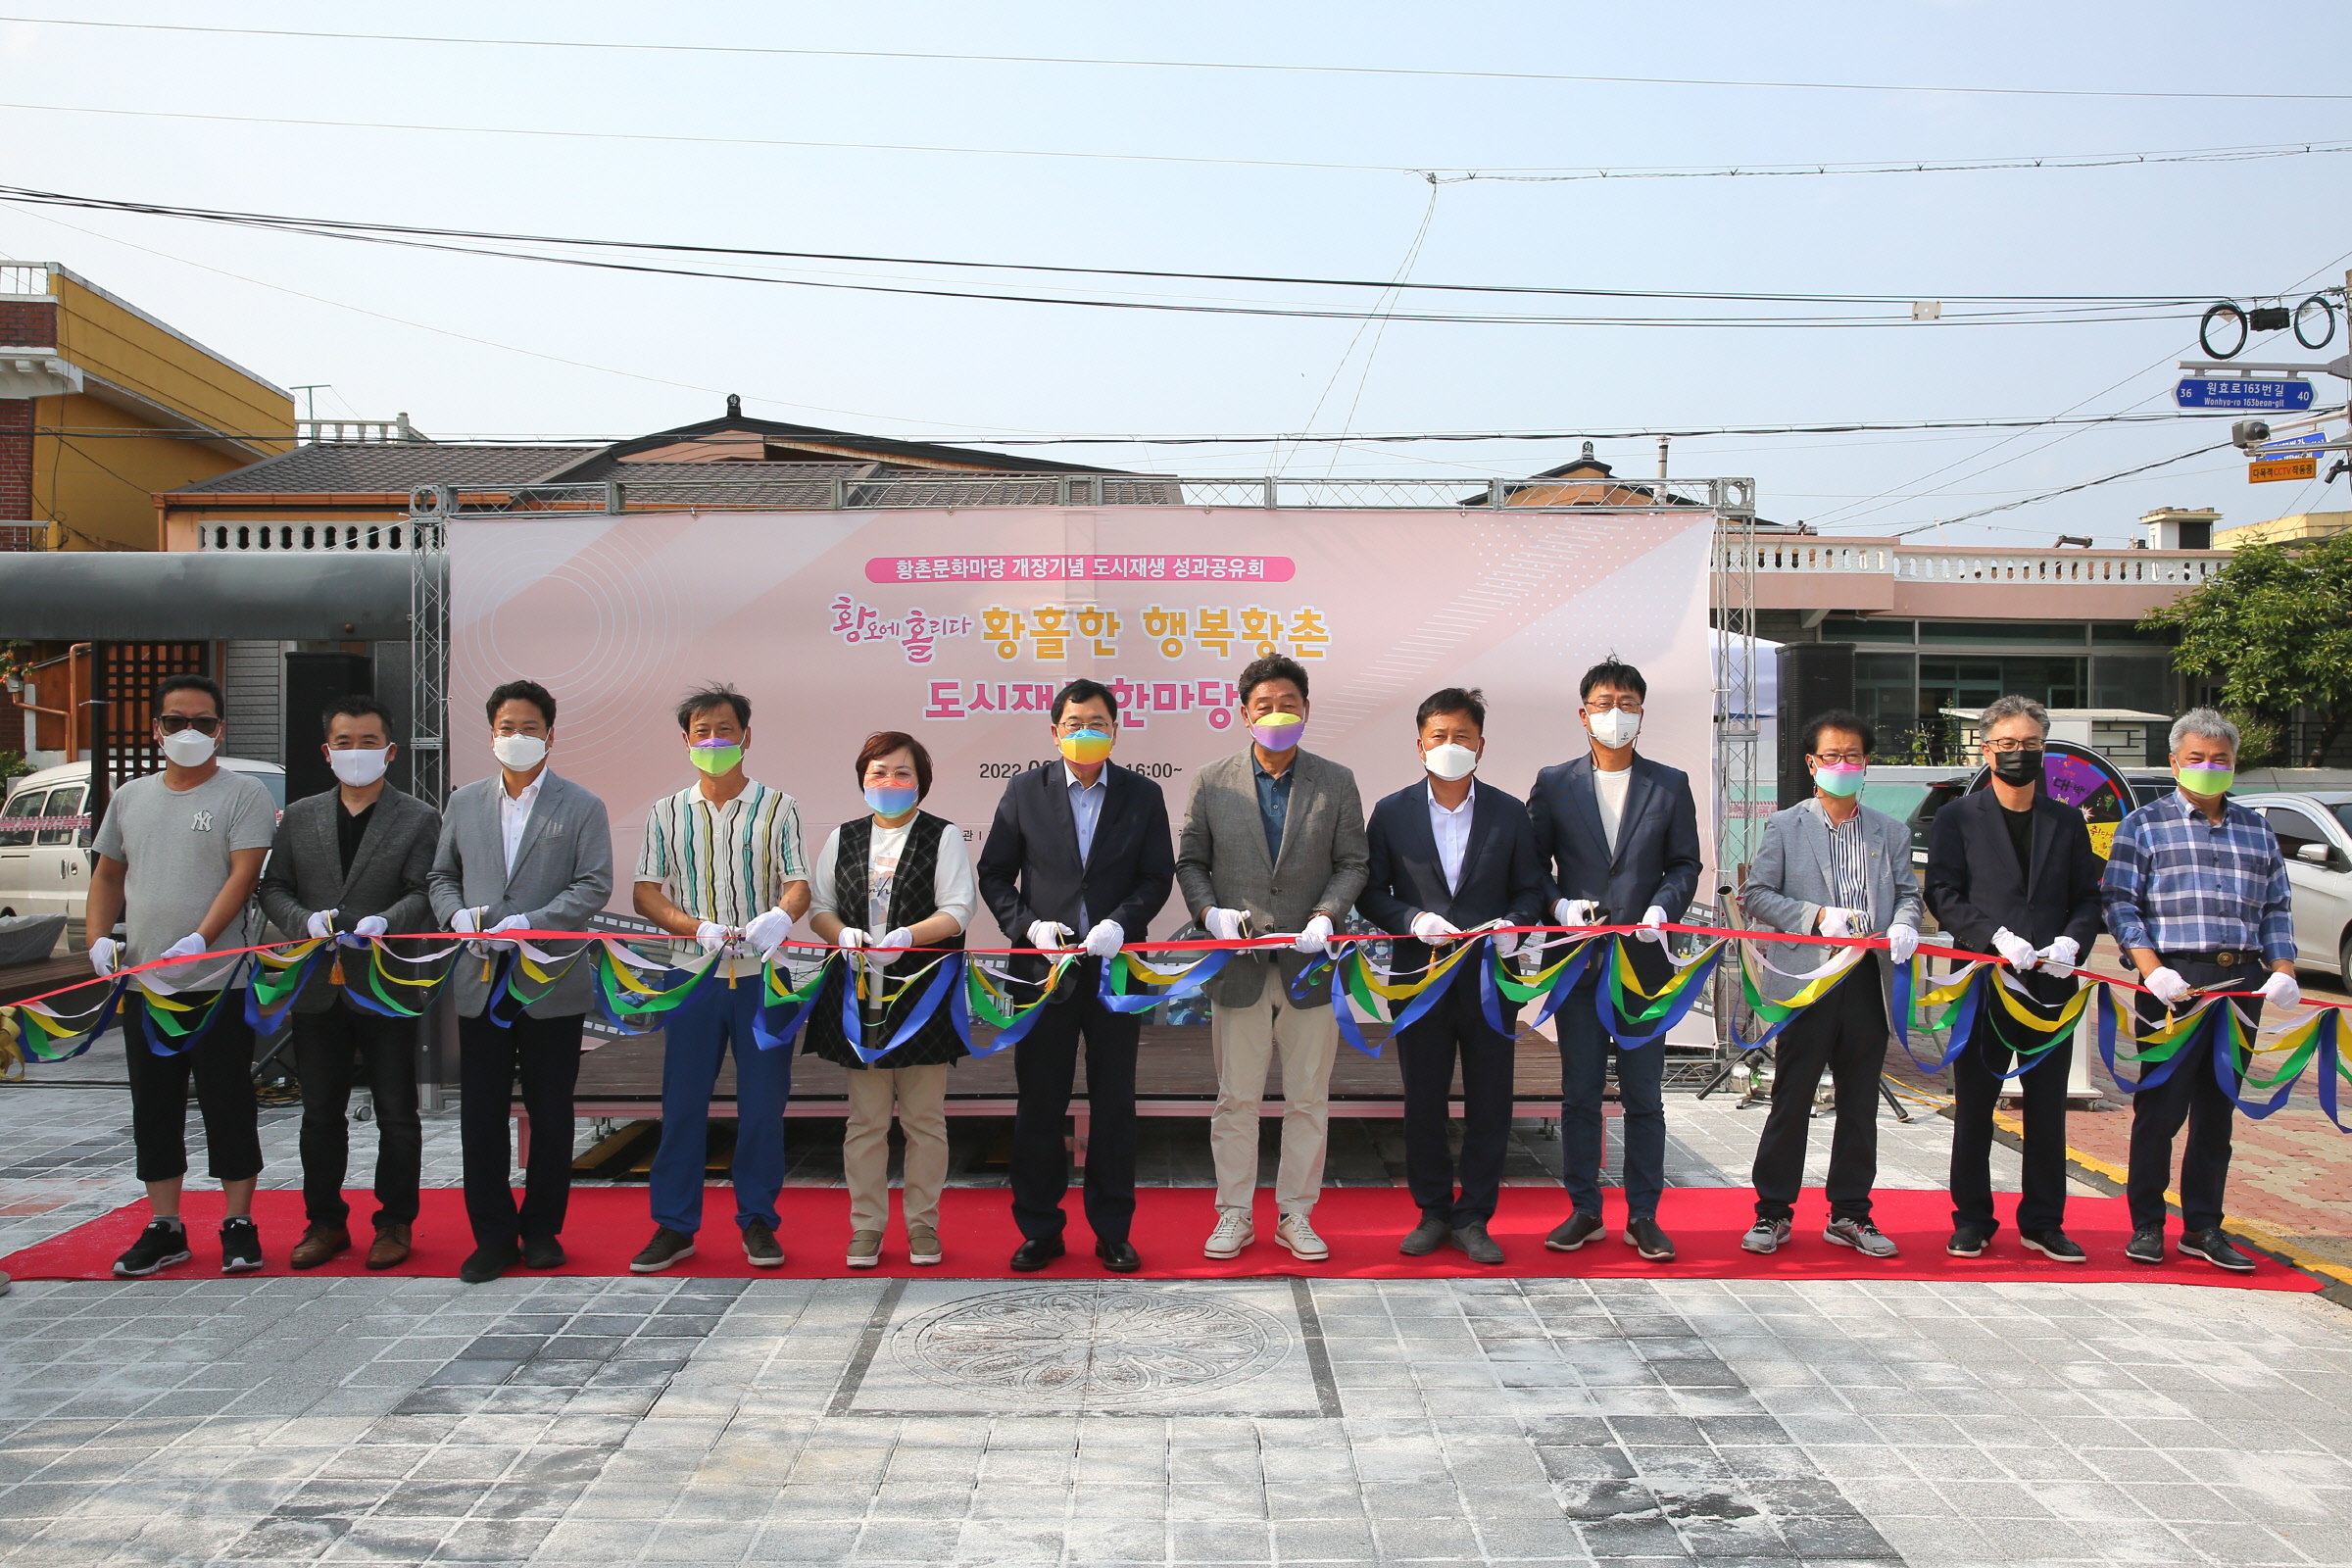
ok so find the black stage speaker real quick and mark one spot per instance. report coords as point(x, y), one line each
point(1814, 677)
point(313, 681)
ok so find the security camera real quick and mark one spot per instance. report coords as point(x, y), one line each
point(2247, 434)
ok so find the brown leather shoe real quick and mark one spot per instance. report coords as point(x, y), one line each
point(318, 1244)
point(390, 1249)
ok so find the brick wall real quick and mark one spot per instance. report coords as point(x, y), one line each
point(15, 459)
point(28, 324)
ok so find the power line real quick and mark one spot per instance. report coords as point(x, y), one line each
point(1263, 67)
point(1527, 175)
point(2051, 495)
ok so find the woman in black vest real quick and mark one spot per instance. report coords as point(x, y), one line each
point(896, 880)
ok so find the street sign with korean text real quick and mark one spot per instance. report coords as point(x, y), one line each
point(2288, 446)
point(2240, 392)
point(2272, 469)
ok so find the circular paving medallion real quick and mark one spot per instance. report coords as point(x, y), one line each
point(1092, 1344)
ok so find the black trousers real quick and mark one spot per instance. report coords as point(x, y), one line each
point(1045, 1066)
point(222, 1064)
point(1846, 1033)
point(544, 1053)
point(1976, 1086)
point(2191, 1094)
point(1455, 1029)
point(327, 1046)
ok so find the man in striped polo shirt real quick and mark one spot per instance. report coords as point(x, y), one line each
point(722, 867)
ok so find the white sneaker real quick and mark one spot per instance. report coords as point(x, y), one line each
point(1294, 1232)
point(1235, 1231)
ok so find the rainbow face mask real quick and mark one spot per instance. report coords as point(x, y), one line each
point(891, 800)
point(715, 756)
point(1278, 732)
point(1086, 747)
point(2206, 781)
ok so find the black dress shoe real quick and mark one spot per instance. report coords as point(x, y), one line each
point(2215, 1249)
point(2054, 1245)
point(1574, 1232)
point(1968, 1240)
point(1118, 1256)
point(1035, 1254)
point(2146, 1245)
point(1426, 1236)
point(487, 1262)
point(542, 1251)
point(1470, 1238)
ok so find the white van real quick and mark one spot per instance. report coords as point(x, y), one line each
point(45, 835)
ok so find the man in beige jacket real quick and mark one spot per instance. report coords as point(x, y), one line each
point(1273, 842)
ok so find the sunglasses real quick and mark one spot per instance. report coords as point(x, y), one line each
point(173, 723)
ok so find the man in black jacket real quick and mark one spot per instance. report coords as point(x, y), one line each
point(1450, 855)
point(1079, 855)
point(2012, 871)
point(352, 862)
point(1618, 836)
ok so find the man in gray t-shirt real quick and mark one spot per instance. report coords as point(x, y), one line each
point(184, 848)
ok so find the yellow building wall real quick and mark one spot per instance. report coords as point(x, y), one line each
point(2281, 530)
point(94, 478)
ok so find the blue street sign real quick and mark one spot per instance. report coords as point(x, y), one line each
point(2240, 392)
point(2288, 446)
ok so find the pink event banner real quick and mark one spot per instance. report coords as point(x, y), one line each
point(810, 614)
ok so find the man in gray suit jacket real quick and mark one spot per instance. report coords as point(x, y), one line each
point(522, 850)
point(1834, 866)
point(349, 864)
point(1273, 841)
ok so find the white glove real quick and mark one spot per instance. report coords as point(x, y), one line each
point(1507, 944)
point(711, 935)
point(898, 941)
point(1316, 938)
point(852, 937)
point(2015, 951)
point(105, 954)
point(2059, 958)
point(2281, 990)
point(371, 926)
point(1049, 935)
point(321, 925)
point(1224, 924)
point(1574, 912)
point(1835, 922)
point(1434, 928)
point(513, 922)
point(465, 920)
point(188, 947)
point(1106, 939)
point(2170, 988)
point(767, 930)
point(1652, 918)
point(1903, 941)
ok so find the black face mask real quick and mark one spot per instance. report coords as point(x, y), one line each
point(2017, 767)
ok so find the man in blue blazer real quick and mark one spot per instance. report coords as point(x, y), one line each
point(1079, 855)
point(1449, 855)
point(1618, 835)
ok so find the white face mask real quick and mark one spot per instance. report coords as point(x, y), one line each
point(1450, 762)
point(358, 769)
point(521, 753)
point(188, 749)
point(1614, 727)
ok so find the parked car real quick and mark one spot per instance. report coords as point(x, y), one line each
point(2315, 834)
point(45, 835)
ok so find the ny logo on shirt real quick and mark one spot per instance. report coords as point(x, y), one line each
point(203, 822)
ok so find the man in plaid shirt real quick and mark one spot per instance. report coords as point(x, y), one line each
point(2196, 896)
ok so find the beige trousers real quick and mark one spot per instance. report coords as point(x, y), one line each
point(1245, 1041)
point(922, 1094)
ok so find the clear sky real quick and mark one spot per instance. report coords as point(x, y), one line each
point(477, 346)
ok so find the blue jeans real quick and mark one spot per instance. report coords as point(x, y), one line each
point(696, 1041)
point(1584, 1049)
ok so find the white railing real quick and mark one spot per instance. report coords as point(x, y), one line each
point(2053, 568)
point(370, 432)
point(291, 538)
point(25, 279)
point(1813, 555)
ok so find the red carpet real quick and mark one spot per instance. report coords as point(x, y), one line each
point(1361, 1224)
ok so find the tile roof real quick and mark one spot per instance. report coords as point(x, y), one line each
point(383, 467)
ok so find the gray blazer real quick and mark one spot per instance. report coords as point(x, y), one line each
point(388, 874)
point(1221, 860)
point(1789, 883)
point(563, 875)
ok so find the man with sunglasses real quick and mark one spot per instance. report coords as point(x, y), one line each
point(183, 848)
point(2012, 871)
